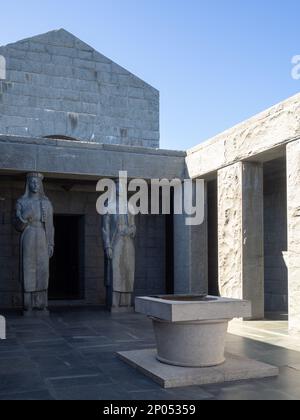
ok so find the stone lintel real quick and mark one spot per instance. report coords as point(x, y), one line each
point(87, 160)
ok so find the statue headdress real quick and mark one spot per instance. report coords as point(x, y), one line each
point(35, 175)
point(38, 176)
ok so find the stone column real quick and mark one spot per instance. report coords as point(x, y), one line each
point(190, 257)
point(293, 203)
point(241, 234)
point(2, 328)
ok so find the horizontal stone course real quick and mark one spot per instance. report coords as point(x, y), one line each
point(58, 72)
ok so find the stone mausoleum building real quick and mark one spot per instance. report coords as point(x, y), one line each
point(73, 115)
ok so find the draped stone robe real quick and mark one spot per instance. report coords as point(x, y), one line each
point(118, 233)
point(34, 218)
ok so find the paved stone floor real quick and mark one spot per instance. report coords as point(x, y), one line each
point(71, 356)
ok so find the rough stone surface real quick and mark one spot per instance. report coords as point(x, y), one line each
point(293, 190)
point(241, 238)
point(230, 231)
point(235, 369)
point(56, 85)
point(269, 130)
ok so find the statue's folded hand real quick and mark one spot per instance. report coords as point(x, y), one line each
point(133, 231)
point(109, 253)
point(51, 251)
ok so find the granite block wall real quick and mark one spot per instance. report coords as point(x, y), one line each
point(80, 200)
point(151, 255)
point(56, 85)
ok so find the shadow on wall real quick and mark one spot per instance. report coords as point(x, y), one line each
point(60, 137)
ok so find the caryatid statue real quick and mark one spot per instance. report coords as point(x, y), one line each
point(34, 218)
point(119, 231)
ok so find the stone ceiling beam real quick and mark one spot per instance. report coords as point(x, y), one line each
point(71, 159)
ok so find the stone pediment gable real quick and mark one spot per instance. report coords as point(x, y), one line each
point(56, 85)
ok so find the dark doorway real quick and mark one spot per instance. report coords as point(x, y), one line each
point(212, 220)
point(66, 264)
point(275, 238)
point(170, 254)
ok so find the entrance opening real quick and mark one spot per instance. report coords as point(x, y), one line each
point(212, 220)
point(170, 249)
point(66, 268)
point(275, 239)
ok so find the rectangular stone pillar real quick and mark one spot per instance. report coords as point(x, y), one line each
point(241, 234)
point(190, 257)
point(2, 328)
point(293, 259)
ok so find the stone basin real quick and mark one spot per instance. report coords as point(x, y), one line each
point(191, 330)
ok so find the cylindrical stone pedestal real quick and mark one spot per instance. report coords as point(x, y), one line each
point(191, 344)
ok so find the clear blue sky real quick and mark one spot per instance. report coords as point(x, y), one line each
point(215, 62)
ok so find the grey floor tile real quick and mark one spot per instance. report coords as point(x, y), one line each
point(191, 393)
point(28, 396)
point(72, 380)
point(78, 393)
point(72, 356)
point(21, 382)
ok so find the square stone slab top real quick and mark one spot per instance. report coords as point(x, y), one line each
point(234, 369)
point(192, 308)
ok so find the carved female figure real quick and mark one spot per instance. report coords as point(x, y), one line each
point(119, 231)
point(34, 218)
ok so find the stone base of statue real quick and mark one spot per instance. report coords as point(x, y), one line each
point(119, 303)
point(36, 313)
